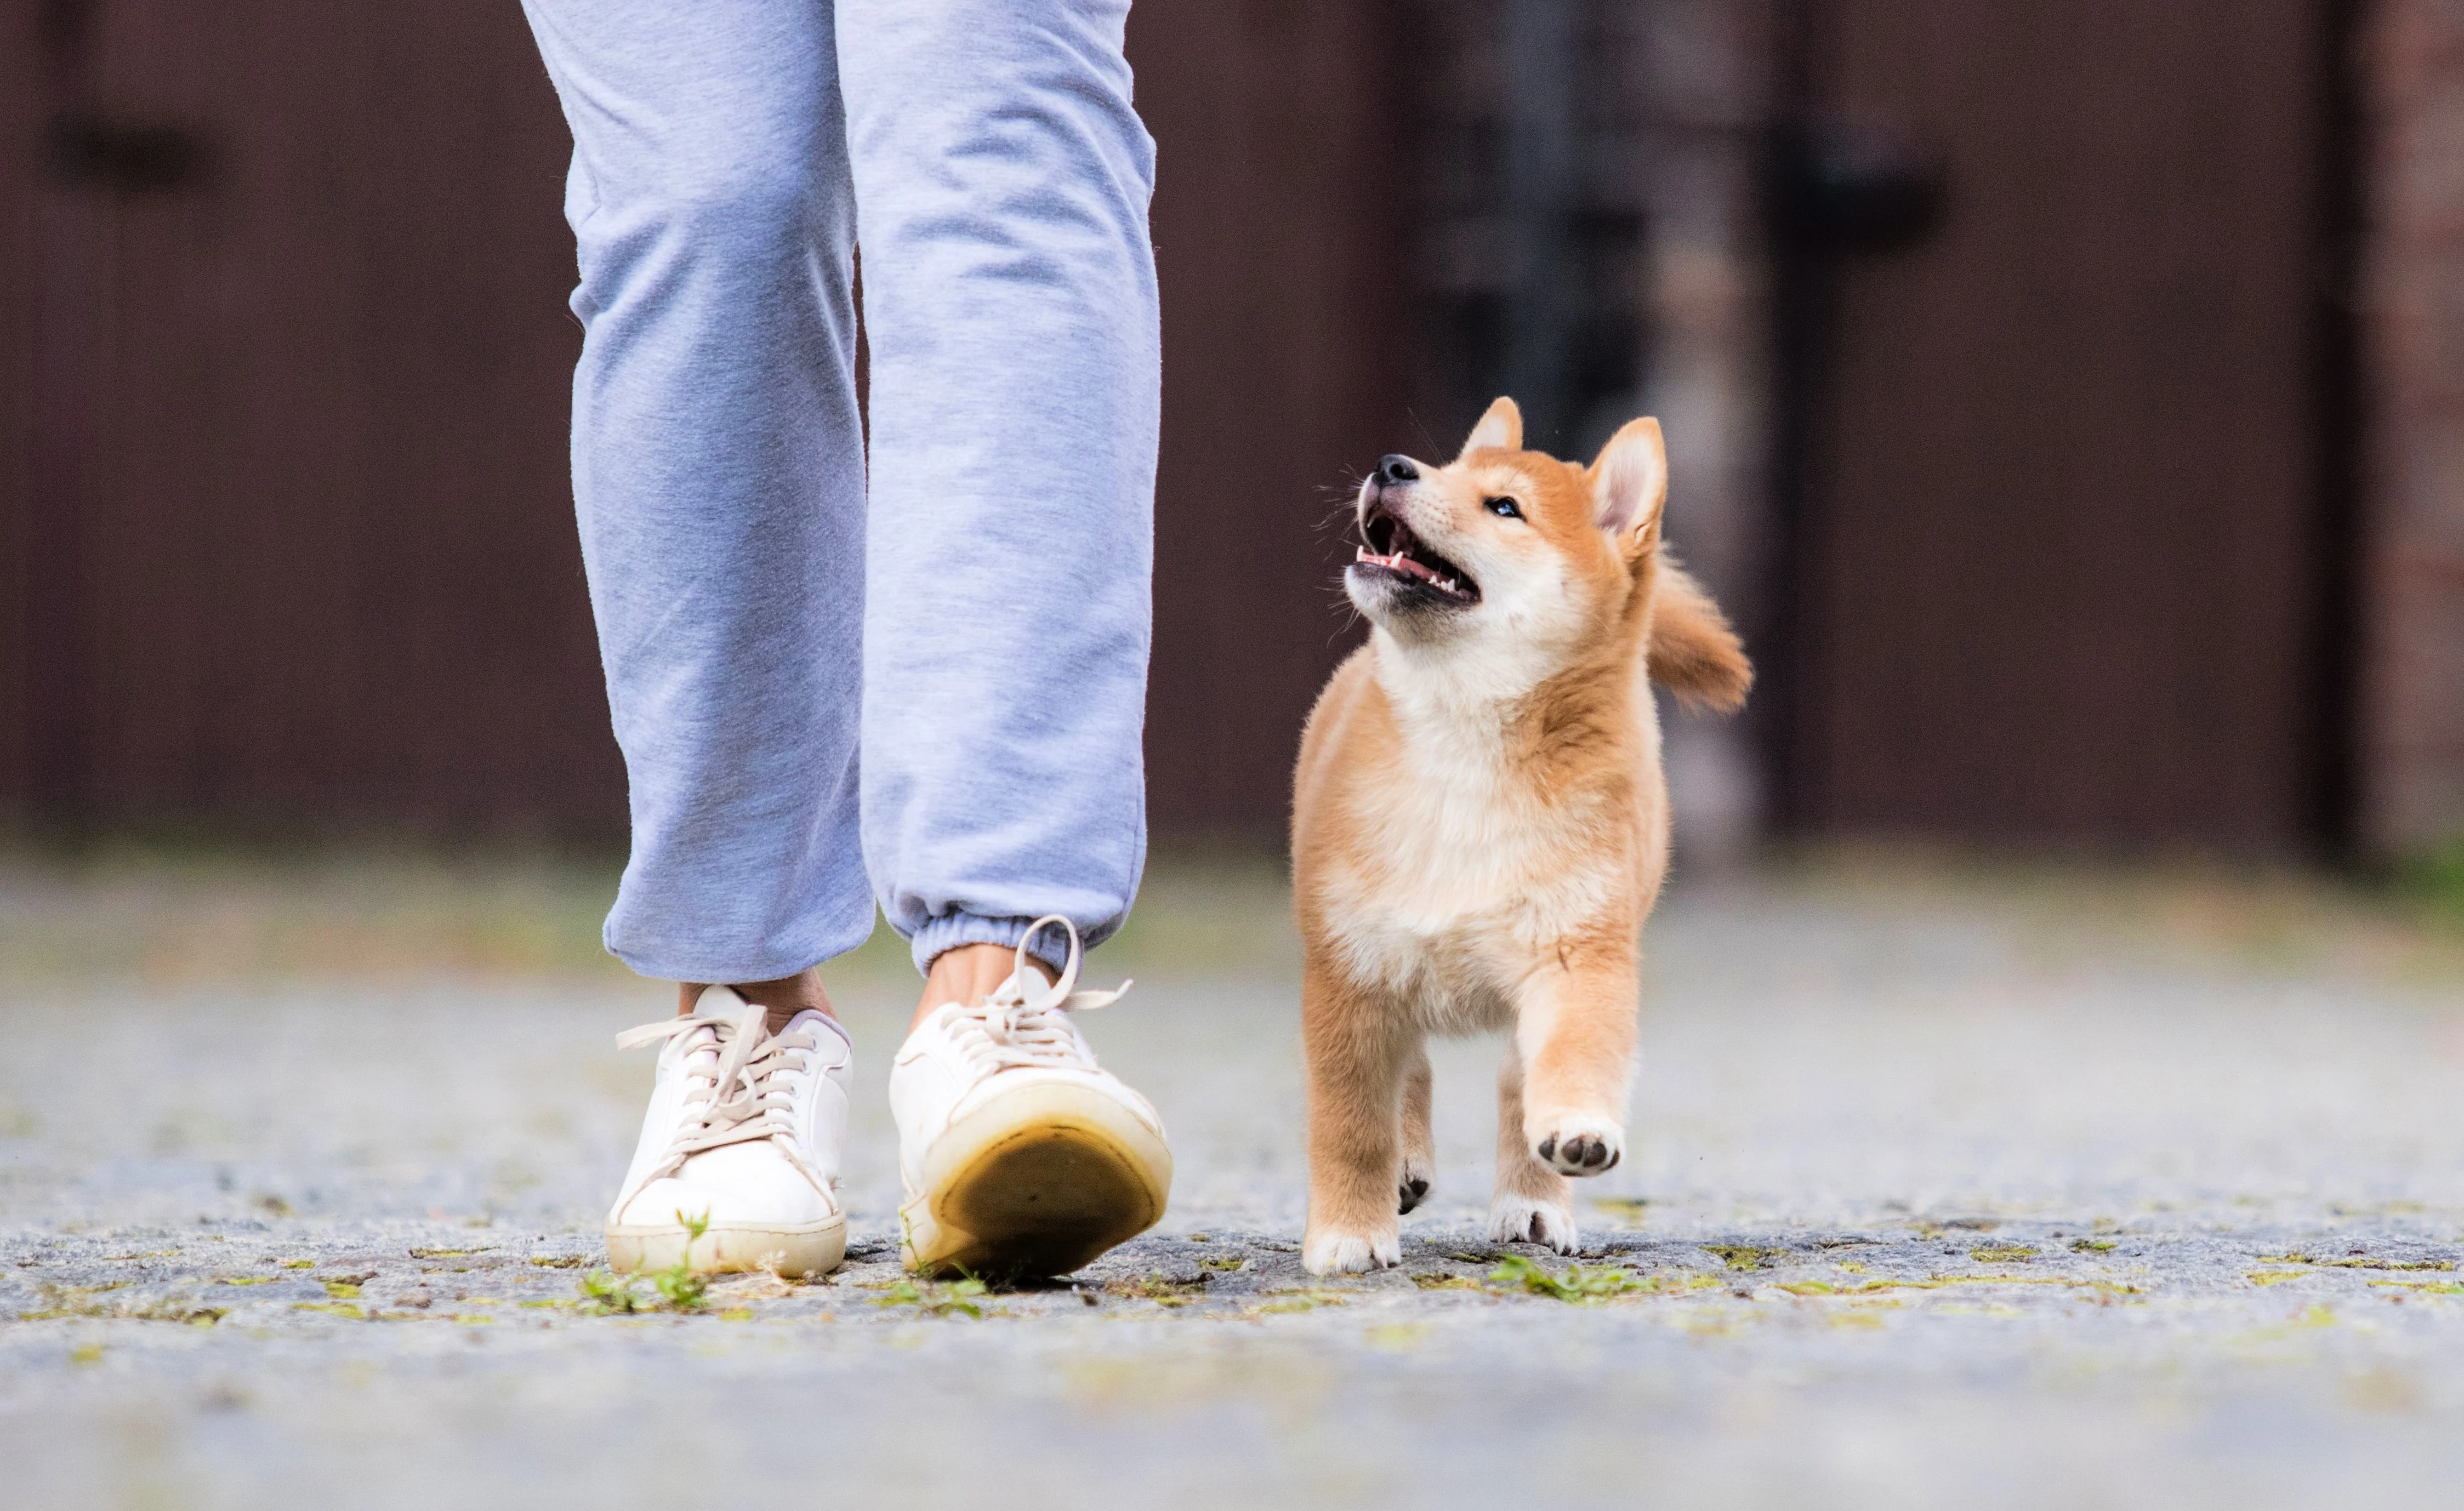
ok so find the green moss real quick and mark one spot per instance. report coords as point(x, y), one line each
point(1746, 1256)
point(2002, 1254)
point(936, 1298)
point(1446, 1282)
point(79, 1300)
point(1298, 1299)
point(1153, 1287)
point(1574, 1284)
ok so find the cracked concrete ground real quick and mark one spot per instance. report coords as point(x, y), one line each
point(1949, 1188)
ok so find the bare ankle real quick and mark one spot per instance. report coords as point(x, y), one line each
point(969, 974)
point(783, 999)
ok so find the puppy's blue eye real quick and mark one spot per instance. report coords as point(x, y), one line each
point(1503, 508)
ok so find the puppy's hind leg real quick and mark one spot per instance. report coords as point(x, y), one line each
point(1359, 1053)
point(1533, 1203)
point(1420, 1147)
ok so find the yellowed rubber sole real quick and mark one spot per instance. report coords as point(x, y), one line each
point(1037, 1183)
point(805, 1248)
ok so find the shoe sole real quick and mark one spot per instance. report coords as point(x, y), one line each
point(790, 1248)
point(1036, 1183)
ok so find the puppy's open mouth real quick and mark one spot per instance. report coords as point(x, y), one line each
point(1393, 549)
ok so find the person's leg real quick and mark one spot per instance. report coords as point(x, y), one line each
point(718, 472)
point(1001, 184)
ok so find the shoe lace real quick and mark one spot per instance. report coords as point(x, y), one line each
point(744, 1097)
point(1025, 1023)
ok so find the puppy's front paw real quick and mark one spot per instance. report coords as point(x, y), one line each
point(1334, 1252)
point(1412, 1187)
point(1521, 1219)
point(1576, 1144)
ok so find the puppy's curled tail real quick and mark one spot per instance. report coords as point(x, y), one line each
point(1695, 652)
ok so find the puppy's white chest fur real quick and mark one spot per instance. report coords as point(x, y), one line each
point(1467, 875)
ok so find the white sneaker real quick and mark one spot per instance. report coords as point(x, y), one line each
point(744, 1128)
point(1020, 1155)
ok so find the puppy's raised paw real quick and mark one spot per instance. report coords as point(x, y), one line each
point(1351, 1253)
point(1412, 1187)
point(1576, 1145)
point(1520, 1220)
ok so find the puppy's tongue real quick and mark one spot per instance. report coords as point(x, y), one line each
point(1399, 562)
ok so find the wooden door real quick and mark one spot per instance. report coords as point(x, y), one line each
point(296, 543)
point(2063, 555)
point(1279, 231)
point(285, 527)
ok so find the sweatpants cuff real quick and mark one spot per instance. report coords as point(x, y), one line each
point(953, 929)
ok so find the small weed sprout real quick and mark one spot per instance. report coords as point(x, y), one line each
point(603, 1292)
point(935, 1300)
point(677, 1289)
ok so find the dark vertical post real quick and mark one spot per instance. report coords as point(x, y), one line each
point(1542, 168)
point(2335, 649)
point(67, 295)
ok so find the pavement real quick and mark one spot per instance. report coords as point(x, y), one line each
point(1951, 1186)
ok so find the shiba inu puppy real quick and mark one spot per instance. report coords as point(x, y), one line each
point(1481, 821)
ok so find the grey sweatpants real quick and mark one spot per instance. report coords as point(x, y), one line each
point(938, 682)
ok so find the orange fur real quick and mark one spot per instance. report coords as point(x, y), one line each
point(1480, 822)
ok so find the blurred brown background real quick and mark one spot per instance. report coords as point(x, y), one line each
point(2066, 396)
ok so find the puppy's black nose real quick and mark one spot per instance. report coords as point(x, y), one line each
point(1396, 469)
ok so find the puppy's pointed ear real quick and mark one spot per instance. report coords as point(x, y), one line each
point(1501, 429)
point(1629, 483)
